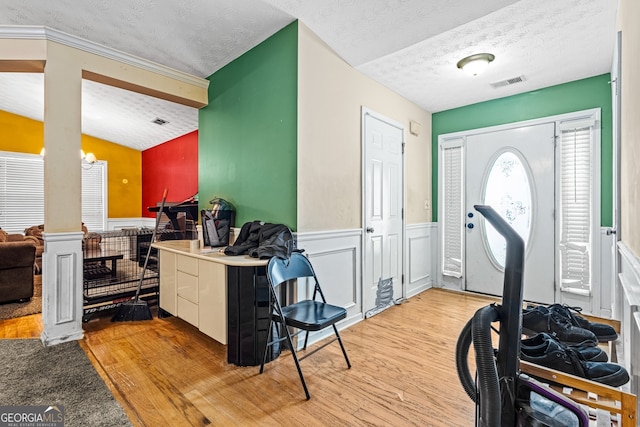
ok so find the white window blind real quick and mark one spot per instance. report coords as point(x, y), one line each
point(576, 203)
point(94, 197)
point(22, 193)
point(452, 199)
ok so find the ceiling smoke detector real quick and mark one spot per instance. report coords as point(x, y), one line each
point(507, 82)
point(159, 121)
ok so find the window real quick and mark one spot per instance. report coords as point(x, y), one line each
point(508, 190)
point(22, 193)
point(577, 150)
point(452, 207)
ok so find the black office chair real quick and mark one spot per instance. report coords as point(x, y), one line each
point(307, 315)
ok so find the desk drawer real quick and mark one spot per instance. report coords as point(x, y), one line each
point(188, 311)
point(187, 286)
point(187, 264)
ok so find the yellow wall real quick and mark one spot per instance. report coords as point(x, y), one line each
point(628, 17)
point(331, 94)
point(21, 134)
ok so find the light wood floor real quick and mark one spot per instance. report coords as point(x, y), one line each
point(165, 372)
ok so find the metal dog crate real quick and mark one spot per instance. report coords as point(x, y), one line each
point(112, 265)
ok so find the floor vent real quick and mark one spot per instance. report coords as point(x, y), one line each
point(508, 82)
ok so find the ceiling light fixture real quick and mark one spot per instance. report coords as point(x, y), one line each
point(87, 159)
point(475, 64)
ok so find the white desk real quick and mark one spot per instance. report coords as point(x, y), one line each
point(193, 285)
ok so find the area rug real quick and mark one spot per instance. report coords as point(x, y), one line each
point(19, 309)
point(60, 375)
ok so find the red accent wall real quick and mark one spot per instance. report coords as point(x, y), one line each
point(172, 165)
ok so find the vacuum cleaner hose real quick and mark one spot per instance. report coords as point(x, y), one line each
point(462, 363)
point(478, 330)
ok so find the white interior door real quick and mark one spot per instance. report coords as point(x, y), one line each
point(513, 171)
point(383, 205)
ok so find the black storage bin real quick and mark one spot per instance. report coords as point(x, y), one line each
point(249, 309)
point(217, 222)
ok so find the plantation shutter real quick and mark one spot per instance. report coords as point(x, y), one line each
point(452, 208)
point(576, 203)
point(22, 193)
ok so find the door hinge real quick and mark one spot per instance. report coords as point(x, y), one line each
point(402, 279)
point(402, 213)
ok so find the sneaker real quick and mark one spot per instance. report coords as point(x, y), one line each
point(588, 351)
point(552, 355)
point(603, 332)
point(541, 319)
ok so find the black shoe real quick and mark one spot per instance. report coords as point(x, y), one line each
point(603, 332)
point(588, 351)
point(541, 319)
point(567, 360)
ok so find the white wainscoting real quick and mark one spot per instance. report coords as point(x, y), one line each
point(626, 307)
point(421, 251)
point(120, 223)
point(336, 257)
point(62, 296)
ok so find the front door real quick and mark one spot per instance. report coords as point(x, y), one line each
point(383, 205)
point(513, 171)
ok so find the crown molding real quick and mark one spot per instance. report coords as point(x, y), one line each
point(32, 32)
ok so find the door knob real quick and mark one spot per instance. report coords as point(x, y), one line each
point(370, 230)
point(470, 226)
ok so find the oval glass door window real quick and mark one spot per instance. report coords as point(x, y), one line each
point(508, 191)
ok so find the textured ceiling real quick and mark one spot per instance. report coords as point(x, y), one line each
point(410, 46)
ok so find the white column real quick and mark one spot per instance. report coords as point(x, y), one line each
point(62, 257)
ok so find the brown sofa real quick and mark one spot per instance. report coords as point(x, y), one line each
point(35, 233)
point(17, 263)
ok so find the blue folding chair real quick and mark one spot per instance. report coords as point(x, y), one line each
point(307, 315)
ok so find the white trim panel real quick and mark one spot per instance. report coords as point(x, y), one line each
point(62, 296)
point(336, 256)
point(626, 304)
point(420, 254)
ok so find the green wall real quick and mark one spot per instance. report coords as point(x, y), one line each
point(248, 133)
point(583, 94)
